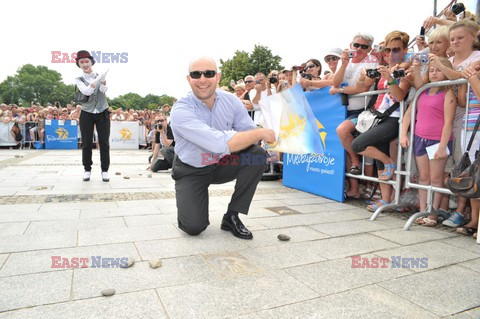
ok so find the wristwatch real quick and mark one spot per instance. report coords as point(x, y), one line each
point(342, 89)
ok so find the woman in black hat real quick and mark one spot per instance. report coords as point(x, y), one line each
point(94, 114)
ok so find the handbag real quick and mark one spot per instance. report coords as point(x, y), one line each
point(464, 180)
point(371, 117)
point(79, 97)
point(367, 119)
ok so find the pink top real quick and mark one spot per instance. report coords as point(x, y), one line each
point(430, 118)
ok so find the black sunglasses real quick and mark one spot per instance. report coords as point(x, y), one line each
point(249, 81)
point(358, 45)
point(197, 74)
point(311, 66)
point(394, 50)
point(331, 58)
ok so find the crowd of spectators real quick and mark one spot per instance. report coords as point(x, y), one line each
point(447, 52)
point(29, 122)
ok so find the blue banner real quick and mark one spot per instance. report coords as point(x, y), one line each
point(323, 174)
point(61, 134)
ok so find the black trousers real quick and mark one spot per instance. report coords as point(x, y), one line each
point(87, 123)
point(191, 186)
point(379, 136)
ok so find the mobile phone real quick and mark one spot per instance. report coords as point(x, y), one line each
point(422, 32)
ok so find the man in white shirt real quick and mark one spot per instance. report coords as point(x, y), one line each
point(258, 95)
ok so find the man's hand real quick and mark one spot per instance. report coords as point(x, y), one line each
point(269, 136)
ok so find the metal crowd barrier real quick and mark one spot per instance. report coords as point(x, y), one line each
point(396, 184)
point(430, 189)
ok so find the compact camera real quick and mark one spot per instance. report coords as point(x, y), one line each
point(400, 73)
point(307, 76)
point(373, 73)
point(258, 81)
point(458, 8)
point(297, 68)
point(350, 54)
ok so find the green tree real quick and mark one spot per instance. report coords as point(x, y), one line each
point(242, 64)
point(264, 61)
point(137, 102)
point(37, 84)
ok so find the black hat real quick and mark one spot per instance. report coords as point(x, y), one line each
point(83, 54)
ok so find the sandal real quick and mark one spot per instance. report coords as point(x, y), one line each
point(373, 207)
point(355, 170)
point(369, 192)
point(467, 231)
point(419, 221)
point(429, 222)
point(350, 197)
point(388, 173)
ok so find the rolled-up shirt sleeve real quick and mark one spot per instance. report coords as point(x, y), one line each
point(85, 89)
point(188, 126)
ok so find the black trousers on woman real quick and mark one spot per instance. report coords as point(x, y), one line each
point(379, 136)
point(88, 121)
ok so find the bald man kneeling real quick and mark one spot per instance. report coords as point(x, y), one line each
point(215, 143)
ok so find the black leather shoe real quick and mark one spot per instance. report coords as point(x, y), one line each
point(235, 225)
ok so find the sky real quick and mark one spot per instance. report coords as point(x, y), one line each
point(160, 38)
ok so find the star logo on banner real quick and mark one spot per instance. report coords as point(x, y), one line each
point(294, 127)
point(126, 134)
point(323, 134)
point(62, 133)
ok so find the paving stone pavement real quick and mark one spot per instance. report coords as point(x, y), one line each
point(62, 241)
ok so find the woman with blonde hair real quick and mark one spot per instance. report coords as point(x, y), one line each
point(375, 142)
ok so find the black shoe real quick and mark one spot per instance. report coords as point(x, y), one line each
point(235, 225)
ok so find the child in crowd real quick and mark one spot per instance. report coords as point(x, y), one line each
point(434, 121)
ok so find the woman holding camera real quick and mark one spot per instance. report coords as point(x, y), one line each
point(375, 142)
point(310, 78)
point(94, 114)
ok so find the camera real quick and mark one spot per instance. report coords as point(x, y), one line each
point(297, 68)
point(273, 80)
point(400, 73)
point(458, 8)
point(307, 76)
point(373, 73)
point(258, 81)
point(350, 54)
point(158, 126)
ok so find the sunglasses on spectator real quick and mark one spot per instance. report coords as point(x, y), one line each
point(249, 81)
point(160, 121)
point(197, 74)
point(358, 45)
point(394, 50)
point(331, 58)
point(311, 66)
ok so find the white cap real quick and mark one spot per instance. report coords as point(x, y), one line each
point(335, 52)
